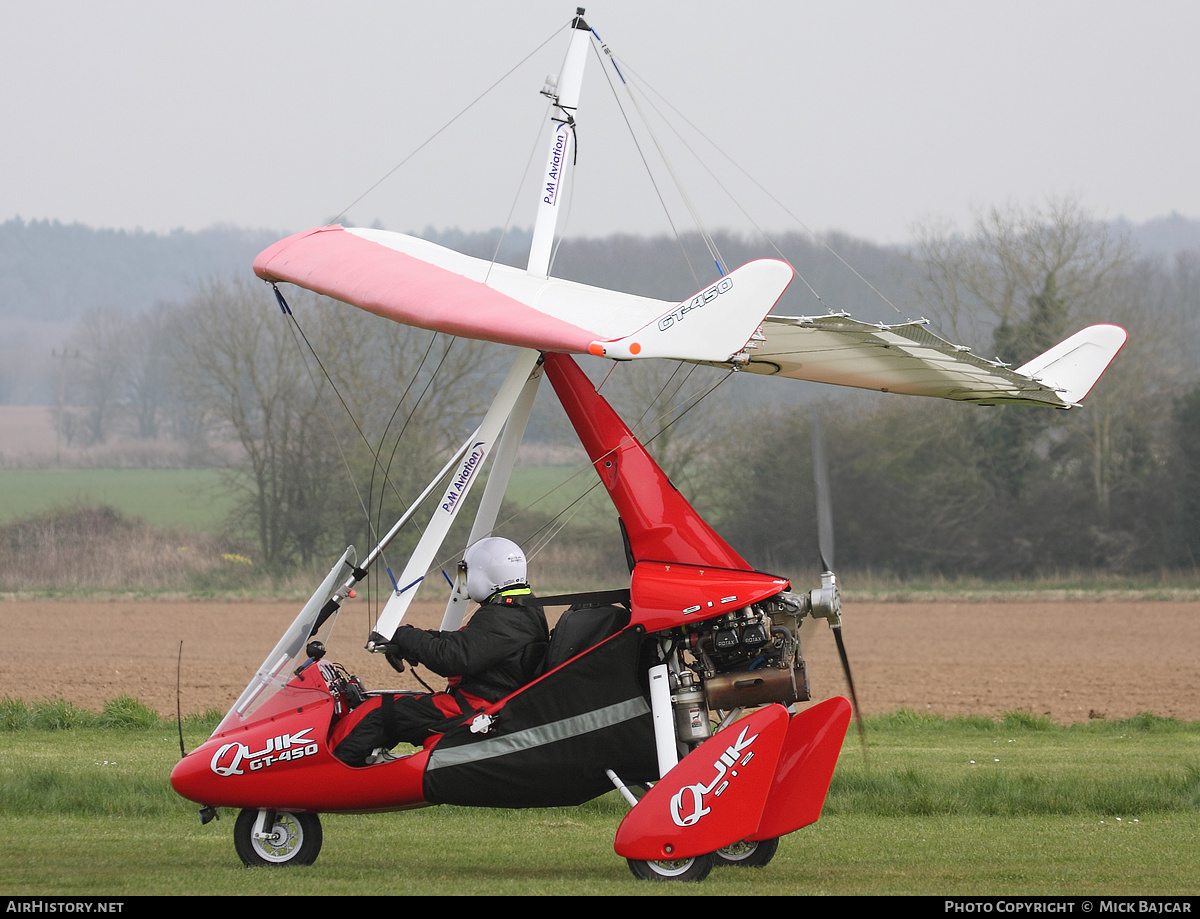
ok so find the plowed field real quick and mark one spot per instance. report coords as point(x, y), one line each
point(1067, 660)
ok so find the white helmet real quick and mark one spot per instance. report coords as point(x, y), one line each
point(492, 564)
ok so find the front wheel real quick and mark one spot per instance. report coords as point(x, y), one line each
point(284, 839)
point(748, 854)
point(683, 869)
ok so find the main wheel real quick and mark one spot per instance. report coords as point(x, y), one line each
point(295, 839)
point(748, 854)
point(683, 869)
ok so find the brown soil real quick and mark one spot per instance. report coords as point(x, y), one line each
point(1068, 660)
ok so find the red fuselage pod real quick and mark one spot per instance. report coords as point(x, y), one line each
point(280, 759)
point(668, 594)
point(713, 798)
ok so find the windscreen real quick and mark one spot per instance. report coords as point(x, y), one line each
point(290, 652)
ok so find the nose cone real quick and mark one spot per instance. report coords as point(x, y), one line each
point(193, 779)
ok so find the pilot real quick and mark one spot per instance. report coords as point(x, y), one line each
point(499, 650)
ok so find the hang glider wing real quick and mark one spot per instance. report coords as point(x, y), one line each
point(910, 359)
point(416, 282)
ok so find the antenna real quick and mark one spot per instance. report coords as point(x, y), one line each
point(178, 706)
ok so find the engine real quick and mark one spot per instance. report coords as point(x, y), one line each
point(747, 657)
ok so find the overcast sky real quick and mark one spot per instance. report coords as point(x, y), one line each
point(868, 117)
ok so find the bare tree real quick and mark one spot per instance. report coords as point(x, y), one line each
point(993, 276)
point(97, 383)
point(1024, 279)
point(310, 404)
point(146, 390)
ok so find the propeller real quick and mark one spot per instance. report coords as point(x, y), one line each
point(826, 600)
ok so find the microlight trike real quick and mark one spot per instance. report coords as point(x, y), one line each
point(685, 688)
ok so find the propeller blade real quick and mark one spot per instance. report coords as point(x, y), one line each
point(862, 731)
point(824, 507)
point(828, 599)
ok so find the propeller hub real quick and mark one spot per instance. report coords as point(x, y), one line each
point(826, 601)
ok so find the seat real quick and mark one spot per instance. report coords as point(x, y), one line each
point(580, 628)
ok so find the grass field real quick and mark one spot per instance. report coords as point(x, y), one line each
point(197, 498)
point(191, 498)
point(551, 489)
point(938, 807)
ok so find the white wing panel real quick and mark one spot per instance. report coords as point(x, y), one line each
point(912, 360)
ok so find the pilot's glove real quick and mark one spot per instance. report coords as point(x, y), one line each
point(393, 658)
point(397, 650)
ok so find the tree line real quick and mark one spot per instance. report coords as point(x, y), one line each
point(930, 487)
point(919, 486)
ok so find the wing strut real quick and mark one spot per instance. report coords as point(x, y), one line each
point(453, 498)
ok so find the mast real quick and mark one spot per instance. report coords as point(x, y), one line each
point(514, 403)
point(563, 92)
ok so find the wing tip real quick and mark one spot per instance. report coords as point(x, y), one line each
point(263, 260)
point(1075, 365)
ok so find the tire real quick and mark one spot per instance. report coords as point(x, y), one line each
point(297, 840)
point(684, 869)
point(747, 854)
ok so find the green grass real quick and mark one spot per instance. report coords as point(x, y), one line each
point(190, 498)
point(1020, 766)
point(196, 498)
point(938, 807)
point(550, 489)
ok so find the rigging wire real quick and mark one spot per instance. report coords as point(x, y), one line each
point(537, 139)
point(664, 387)
point(737, 203)
point(709, 242)
point(387, 175)
point(690, 403)
point(420, 399)
point(549, 529)
point(825, 245)
point(649, 171)
point(294, 328)
point(387, 469)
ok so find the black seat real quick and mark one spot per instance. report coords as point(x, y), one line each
point(580, 628)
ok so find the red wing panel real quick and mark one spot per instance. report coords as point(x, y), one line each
point(712, 798)
point(408, 290)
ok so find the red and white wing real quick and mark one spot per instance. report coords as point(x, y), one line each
point(418, 283)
